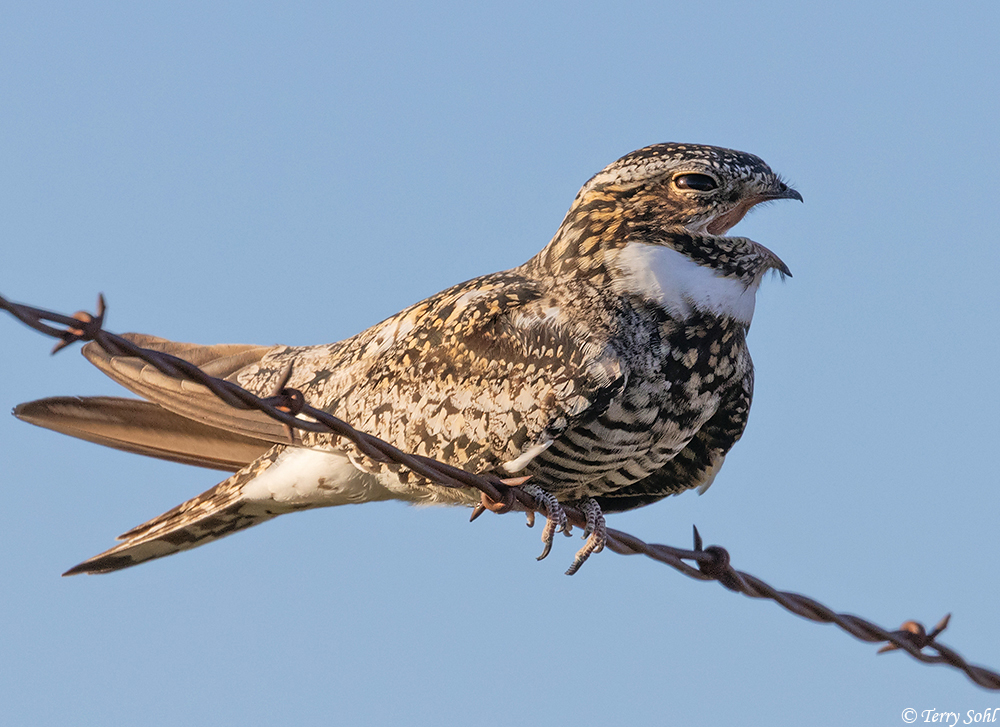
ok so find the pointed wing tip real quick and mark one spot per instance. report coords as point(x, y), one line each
point(40, 411)
point(101, 564)
point(108, 561)
point(85, 567)
point(21, 411)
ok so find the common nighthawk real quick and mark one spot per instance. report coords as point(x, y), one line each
point(612, 368)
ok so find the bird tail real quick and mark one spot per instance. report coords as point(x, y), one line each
point(211, 515)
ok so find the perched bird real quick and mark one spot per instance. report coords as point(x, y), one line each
point(612, 368)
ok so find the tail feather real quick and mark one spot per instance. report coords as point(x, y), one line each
point(212, 515)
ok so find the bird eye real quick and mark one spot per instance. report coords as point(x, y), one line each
point(697, 182)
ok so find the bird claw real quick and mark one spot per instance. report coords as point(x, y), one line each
point(555, 516)
point(595, 530)
point(596, 533)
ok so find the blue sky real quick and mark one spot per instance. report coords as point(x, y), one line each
point(293, 173)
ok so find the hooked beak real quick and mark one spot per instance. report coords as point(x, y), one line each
point(783, 192)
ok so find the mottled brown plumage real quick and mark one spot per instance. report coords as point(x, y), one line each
point(612, 368)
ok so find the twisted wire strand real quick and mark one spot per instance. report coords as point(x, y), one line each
point(710, 563)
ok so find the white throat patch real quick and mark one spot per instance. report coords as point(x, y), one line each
point(679, 284)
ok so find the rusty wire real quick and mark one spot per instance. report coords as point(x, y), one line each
point(711, 563)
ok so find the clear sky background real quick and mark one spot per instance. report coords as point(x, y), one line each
point(293, 173)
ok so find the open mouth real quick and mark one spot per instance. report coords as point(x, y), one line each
point(725, 222)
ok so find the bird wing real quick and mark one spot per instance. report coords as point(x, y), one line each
point(214, 514)
point(181, 421)
point(187, 398)
point(142, 427)
point(474, 375)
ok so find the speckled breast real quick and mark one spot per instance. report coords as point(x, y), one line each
point(677, 377)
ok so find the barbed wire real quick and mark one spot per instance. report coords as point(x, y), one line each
point(710, 563)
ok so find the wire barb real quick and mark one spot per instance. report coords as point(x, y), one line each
point(290, 401)
point(915, 633)
point(88, 324)
point(500, 496)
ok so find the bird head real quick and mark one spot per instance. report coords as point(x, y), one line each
point(704, 189)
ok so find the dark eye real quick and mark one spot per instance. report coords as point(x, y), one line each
point(697, 182)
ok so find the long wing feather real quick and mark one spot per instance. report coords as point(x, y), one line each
point(143, 428)
point(214, 514)
point(186, 398)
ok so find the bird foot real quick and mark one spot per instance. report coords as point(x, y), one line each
point(555, 516)
point(595, 530)
point(596, 533)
